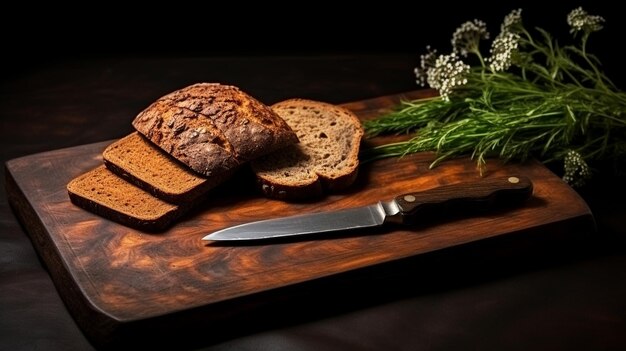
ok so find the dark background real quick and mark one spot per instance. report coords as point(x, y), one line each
point(72, 76)
point(43, 34)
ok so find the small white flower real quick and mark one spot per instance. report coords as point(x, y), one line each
point(580, 20)
point(502, 50)
point(427, 61)
point(577, 171)
point(467, 37)
point(448, 73)
point(512, 21)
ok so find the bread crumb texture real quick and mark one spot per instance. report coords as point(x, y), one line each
point(102, 188)
point(329, 137)
point(143, 160)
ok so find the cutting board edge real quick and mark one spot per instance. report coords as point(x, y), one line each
point(71, 293)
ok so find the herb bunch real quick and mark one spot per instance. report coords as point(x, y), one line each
point(531, 97)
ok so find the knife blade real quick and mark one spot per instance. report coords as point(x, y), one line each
point(407, 209)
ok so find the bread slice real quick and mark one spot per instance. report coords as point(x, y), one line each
point(142, 163)
point(325, 160)
point(107, 195)
point(213, 128)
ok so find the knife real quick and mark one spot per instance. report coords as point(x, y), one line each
point(406, 209)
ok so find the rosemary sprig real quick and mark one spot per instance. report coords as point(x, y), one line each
point(530, 98)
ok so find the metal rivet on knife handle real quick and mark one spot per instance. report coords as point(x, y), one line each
point(409, 198)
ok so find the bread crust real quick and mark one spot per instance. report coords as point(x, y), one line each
point(213, 128)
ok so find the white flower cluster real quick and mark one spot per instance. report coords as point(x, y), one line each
point(580, 20)
point(502, 49)
point(512, 21)
point(427, 61)
point(449, 72)
point(577, 171)
point(506, 43)
point(467, 37)
point(445, 72)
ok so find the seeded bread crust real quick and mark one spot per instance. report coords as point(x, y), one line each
point(140, 162)
point(213, 128)
point(325, 160)
point(107, 195)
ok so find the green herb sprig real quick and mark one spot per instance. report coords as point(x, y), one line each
point(530, 98)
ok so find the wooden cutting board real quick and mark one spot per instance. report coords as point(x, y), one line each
point(119, 282)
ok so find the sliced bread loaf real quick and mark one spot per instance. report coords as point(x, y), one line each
point(326, 159)
point(213, 128)
point(142, 163)
point(107, 195)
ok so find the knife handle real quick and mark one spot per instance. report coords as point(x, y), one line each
point(482, 194)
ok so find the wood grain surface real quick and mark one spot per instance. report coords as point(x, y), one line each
point(115, 279)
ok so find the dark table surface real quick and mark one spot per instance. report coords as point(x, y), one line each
point(568, 299)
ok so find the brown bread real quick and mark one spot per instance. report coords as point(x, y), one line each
point(213, 128)
point(326, 159)
point(107, 195)
point(142, 163)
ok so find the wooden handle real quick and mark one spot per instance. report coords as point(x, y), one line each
point(482, 194)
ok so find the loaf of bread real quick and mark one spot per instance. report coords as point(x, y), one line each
point(142, 163)
point(105, 194)
point(325, 160)
point(213, 128)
